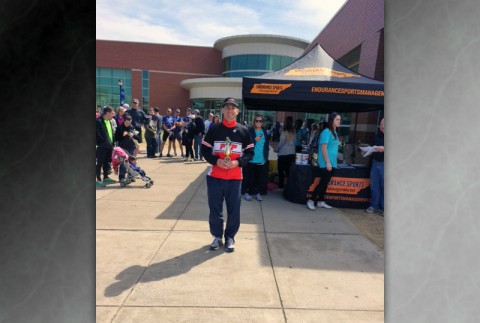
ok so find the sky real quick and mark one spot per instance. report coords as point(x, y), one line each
point(202, 22)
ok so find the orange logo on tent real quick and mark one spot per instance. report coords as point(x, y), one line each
point(319, 71)
point(266, 88)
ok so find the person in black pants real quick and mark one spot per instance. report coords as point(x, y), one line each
point(256, 173)
point(104, 141)
point(199, 133)
point(327, 162)
point(285, 150)
point(187, 137)
point(151, 133)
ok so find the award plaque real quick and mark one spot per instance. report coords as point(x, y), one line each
point(228, 150)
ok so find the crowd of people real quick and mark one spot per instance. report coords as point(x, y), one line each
point(238, 153)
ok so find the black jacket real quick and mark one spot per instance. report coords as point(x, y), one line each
point(102, 134)
point(213, 148)
point(199, 126)
point(378, 141)
point(125, 142)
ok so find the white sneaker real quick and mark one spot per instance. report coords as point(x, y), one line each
point(229, 245)
point(258, 197)
point(310, 205)
point(247, 197)
point(370, 210)
point(324, 205)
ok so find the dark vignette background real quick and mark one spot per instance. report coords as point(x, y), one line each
point(432, 115)
point(47, 205)
point(47, 149)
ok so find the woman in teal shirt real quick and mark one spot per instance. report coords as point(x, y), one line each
point(327, 160)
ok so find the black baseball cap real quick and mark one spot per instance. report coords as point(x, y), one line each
point(230, 101)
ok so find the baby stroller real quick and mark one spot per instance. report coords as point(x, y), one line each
point(125, 166)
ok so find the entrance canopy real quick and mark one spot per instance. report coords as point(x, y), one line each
point(314, 83)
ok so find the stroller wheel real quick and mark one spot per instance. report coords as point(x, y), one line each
point(148, 185)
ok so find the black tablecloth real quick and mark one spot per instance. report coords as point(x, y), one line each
point(348, 188)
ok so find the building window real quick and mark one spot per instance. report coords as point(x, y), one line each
point(351, 59)
point(254, 65)
point(107, 88)
point(145, 87)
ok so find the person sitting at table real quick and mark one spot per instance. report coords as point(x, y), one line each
point(327, 161)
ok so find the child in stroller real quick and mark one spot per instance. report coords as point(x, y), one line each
point(127, 169)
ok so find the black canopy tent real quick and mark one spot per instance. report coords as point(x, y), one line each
point(314, 83)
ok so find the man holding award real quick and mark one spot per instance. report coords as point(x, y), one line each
point(227, 146)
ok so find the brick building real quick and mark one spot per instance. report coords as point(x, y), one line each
point(176, 76)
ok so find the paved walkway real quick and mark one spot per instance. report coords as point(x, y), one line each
point(290, 265)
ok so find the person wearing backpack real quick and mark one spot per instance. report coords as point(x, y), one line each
point(327, 161)
point(313, 144)
point(313, 156)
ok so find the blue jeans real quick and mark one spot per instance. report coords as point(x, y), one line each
point(376, 185)
point(217, 191)
point(197, 145)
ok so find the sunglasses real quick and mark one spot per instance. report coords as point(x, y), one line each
point(261, 121)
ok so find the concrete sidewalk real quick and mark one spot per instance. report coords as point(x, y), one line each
point(290, 265)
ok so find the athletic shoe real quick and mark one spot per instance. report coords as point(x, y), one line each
point(230, 245)
point(216, 243)
point(247, 197)
point(100, 184)
point(310, 205)
point(370, 210)
point(258, 197)
point(160, 156)
point(108, 181)
point(324, 205)
point(168, 155)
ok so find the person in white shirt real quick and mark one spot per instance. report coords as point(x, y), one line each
point(208, 122)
